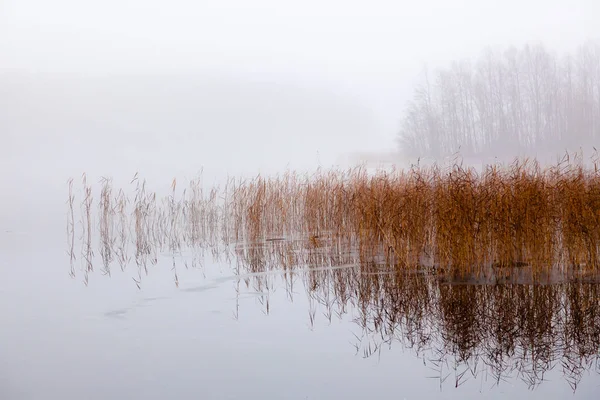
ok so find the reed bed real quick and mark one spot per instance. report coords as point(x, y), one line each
point(448, 261)
point(493, 332)
point(458, 222)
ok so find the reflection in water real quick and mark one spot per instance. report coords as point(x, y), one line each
point(472, 293)
point(461, 330)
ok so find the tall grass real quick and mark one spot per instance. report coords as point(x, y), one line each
point(106, 225)
point(71, 228)
point(501, 221)
point(87, 252)
point(445, 260)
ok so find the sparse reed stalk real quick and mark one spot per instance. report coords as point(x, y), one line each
point(194, 212)
point(174, 238)
point(87, 250)
point(225, 214)
point(144, 246)
point(71, 228)
point(122, 228)
point(106, 224)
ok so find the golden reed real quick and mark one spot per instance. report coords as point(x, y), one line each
point(457, 221)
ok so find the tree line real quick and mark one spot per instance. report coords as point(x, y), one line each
point(514, 100)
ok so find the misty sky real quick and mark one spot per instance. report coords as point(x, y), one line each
point(351, 41)
point(355, 63)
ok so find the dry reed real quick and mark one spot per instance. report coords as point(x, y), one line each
point(408, 251)
point(502, 221)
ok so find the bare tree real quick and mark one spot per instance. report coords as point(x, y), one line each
point(519, 100)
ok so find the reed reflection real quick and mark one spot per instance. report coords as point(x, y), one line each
point(461, 329)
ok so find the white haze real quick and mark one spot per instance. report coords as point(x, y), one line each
point(348, 63)
point(232, 88)
point(168, 88)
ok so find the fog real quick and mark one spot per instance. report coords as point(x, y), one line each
point(269, 78)
point(229, 88)
point(169, 89)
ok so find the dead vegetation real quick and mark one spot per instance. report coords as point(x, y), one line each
point(450, 262)
point(461, 223)
point(489, 332)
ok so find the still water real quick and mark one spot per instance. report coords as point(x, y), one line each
point(238, 327)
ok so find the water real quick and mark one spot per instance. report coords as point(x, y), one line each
point(256, 336)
